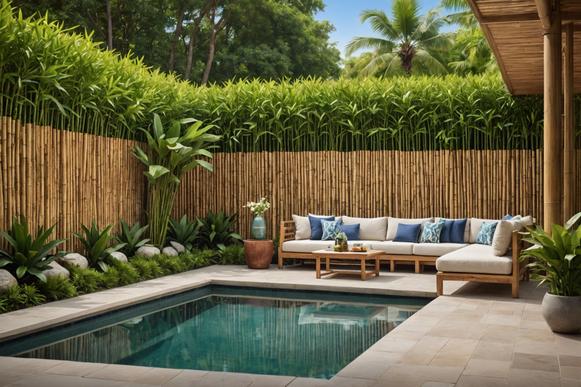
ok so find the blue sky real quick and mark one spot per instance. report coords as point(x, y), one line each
point(344, 15)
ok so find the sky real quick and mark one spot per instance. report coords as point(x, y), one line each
point(344, 15)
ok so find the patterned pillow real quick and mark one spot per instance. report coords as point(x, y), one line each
point(431, 232)
point(486, 233)
point(330, 229)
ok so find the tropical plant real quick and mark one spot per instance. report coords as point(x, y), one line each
point(231, 255)
point(147, 268)
point(218, 230)
point(408, 41)
point(171, 155)
point(28, 255)
point(97, 245)
point(86, 280)
point(57, 288)
point(184, 231)
point(556, 257)
point(131, 237)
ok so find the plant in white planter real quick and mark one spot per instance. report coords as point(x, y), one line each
point(556, 262)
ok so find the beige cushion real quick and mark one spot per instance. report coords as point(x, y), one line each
point(369, 228)
point(475, 224)
point(503, 236)
point(466, 229)
point(391, 247)
point(393, 222)
point(308, 246)
point(474, 259)
point(302, 227)
point(436, 249)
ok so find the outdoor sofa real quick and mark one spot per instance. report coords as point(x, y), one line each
point(464, 260)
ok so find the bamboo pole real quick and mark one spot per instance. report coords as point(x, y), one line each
point(569, 123)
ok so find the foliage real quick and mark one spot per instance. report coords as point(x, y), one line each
point(97, 245)
point(146, 268)
point(127, 273)
point(86, 280)
point(408, 42)
point(171, 154)
point(556, 258)
point(231, 255)
point(57, 288)
point(28, 255)
point(471, 53)
point(21, 296)
point(184, 231)
point(131, 237)
point(111, 278)
point(258, 208)
point(217, 230)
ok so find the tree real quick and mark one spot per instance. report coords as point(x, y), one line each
point(409, 41)
point(215, 28)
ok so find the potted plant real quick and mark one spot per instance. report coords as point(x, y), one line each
point(258, 228)
point(556, 262)
point(341, 242)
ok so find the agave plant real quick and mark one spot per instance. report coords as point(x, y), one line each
point(556, 258)
point(131, 237)
point(28, 255)
point(216, 230)
point(184, 231)
point(171, 155)
point(97, 245)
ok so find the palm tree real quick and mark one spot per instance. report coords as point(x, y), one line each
point(463, 14)
point(408, 41)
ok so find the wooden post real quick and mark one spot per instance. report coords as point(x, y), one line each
point(552, 134)
point(569, 123)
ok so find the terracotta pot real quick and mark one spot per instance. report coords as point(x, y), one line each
point(258, 253)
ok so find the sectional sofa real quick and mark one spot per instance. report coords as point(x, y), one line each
point(465, 261)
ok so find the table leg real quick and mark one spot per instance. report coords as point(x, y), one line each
point(377, 262)
point(328, 264)
point(363, 270)
point(318, 264)
point(391, 265)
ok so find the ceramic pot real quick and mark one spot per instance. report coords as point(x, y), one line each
point(258, 228)
point(258, 254)
point(562, 313)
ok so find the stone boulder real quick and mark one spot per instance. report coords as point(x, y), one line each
point(7, 280)
point(118, 255)
point(73, 259)
point(147, 251)
point(56, 270)
point(170, 251)
point(177, 246)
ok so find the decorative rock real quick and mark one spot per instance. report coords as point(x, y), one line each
point(147, 251)
point(177, 246)
point(7, 280)
point(169, 251)
point(118, 255)
point(74, 259)
point(56, 270)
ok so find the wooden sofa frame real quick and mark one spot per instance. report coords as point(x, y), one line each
point(287, 233)
point(519, 271)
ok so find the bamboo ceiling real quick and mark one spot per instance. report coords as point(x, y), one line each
point(515, 33)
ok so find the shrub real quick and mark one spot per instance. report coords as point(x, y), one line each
point(97, 245)
point(57, 288)
point(111, 278)
point(217, 230)
point(147, 268)
point(170, 265)
point(21, 296)
point(231, 255)
point(86, 280)
point(126, 272)
point(131, 237)
point(29, 255)
point(184, 231)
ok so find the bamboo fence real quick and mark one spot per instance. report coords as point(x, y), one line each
point(71, 178)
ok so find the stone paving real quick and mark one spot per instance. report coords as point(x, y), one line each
point(478, 336)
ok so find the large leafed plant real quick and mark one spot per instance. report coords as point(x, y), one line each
point(172, 152)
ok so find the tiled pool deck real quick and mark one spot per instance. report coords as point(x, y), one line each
point(478, 336)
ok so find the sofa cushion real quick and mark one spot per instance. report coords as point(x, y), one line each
point(392, 247)
point(306, 246)
point(474, 259)
point(475, 224)
point(317, 227)
point(486, 233)
point(407, 232)
point(436, 249)
point(352, 231)
point(369, 228)
point(432, 232)
point(393, 222)
point(503, 236)
point(330, 229)
point(454, 230)
point(302, 227)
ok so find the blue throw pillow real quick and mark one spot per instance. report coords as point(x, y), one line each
point(351, 230)
point(486, 233)
point(507, 217)
point(431, 232)
point(453, 231)
point(330, 229)
point(316, 227)
point(407, 232)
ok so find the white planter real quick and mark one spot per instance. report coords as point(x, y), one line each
point(562, 313)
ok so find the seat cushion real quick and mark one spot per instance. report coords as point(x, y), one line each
point(436, 249)
point(306, 246)
point(393, 222)
point(392, 247)
point(474, 259)
point(369, 228)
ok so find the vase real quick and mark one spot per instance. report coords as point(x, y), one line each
point(258, 228)
point(562, 314)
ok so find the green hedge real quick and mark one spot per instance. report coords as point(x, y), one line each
point(51, 76)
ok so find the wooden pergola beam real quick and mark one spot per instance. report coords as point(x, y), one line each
point(525, 17)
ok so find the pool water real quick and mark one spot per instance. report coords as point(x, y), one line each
point(296, 333)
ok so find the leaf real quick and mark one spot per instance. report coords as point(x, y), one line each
point(21, 271)
point(155, 172)
point(206, 165)
point(571, 222)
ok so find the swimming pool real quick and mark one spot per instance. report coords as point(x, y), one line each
point(219, 328)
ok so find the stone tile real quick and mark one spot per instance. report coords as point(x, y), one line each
point(424, 351)
point(570, 361)
point(527, 361)
point(225, 379)
point(340, 381)
point(455, 353)
point(26, 366)
point(271, 381)
point(370, 365)
point(458, 330)
point(502, 319)
point(481, 367)
point(570, 382)
point(529, 378)
point(437, 384)
point(571, 372)
point(420, 374)
point(309, 382)
point(145, 375)
point(493, 351)
point(186, 378)
point(389, 344)
point(500, 334)
point(481, 381)
point(73, 368)
point(50, 380)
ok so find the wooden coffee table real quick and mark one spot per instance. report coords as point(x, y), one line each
point(360, 258)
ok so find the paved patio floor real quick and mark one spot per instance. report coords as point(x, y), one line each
point(478, 336)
